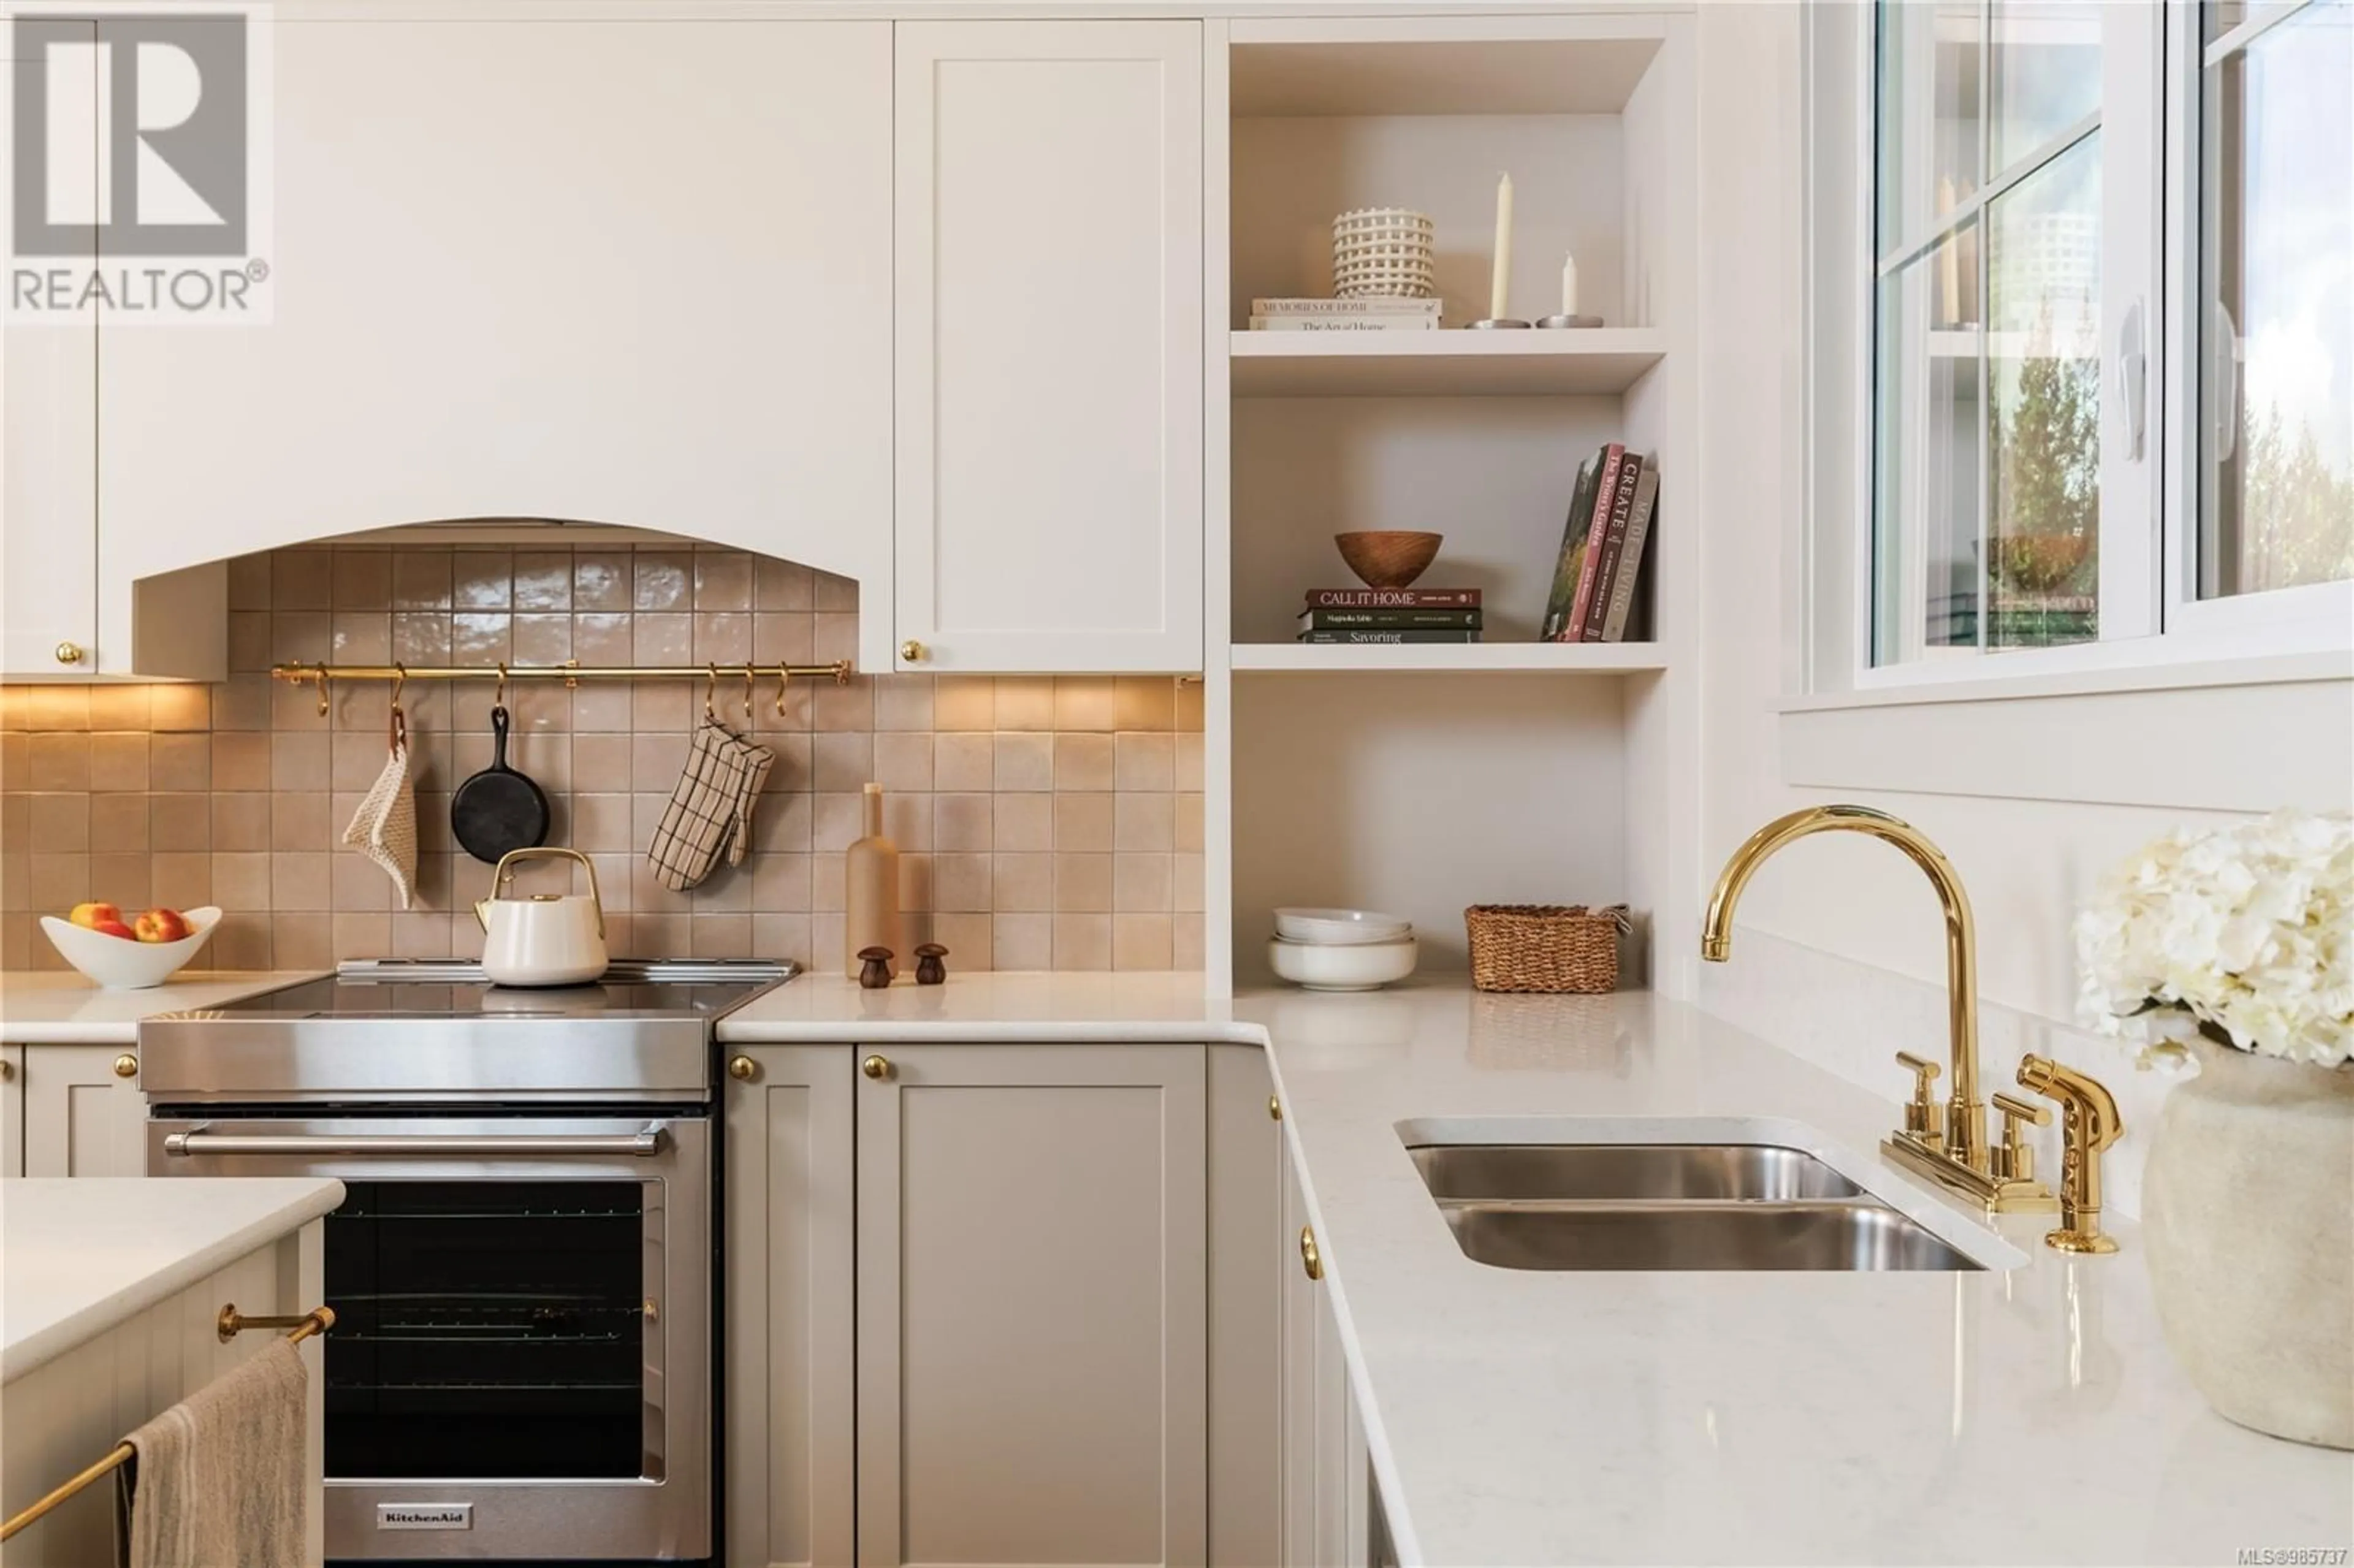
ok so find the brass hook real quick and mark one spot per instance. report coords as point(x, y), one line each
point(399, 684)
point(397, 722)
point(784, 679)
point(710, 690)
point(322, 690)
point(572, 674)
point(499, 697)
point(747, 693)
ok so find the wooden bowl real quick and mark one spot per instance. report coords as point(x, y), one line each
point(1388, 558)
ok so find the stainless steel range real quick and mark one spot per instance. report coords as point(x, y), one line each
point(522, 1270)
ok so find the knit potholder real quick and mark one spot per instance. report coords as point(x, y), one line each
point(385, 827)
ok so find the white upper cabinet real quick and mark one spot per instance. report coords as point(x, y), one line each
point(630, 271)
point(1048, 509)
point(48, 399)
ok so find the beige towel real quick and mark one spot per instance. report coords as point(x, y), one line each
point(218, 1481)
point(385, 827)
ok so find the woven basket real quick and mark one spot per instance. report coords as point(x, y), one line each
point(1544, 946)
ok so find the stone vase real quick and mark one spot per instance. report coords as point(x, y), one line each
point(2248, 1216)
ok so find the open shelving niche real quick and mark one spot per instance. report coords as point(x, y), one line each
point(1420, 779)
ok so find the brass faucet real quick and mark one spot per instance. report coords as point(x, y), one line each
point(2089, 1123)
point(1951, 1148)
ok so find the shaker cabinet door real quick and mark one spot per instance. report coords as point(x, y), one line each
point(1031, 1288)
point(49, 380)
point(1327, 1483)
point(84, 1115)
point(616, 272)
point(788, 1368)
point(12, 1110)
point(1049, 345)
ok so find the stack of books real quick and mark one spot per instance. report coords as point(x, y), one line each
point(1391, 615)
point(1344, 315)
point(1603, 550)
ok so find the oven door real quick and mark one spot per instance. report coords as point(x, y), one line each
point(520, 1365)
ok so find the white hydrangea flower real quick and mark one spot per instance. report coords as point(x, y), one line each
point(2247, 930)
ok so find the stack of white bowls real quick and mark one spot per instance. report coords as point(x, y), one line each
point(1341, 950)
point(1382, 252)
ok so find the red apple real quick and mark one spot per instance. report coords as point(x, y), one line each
point(92, 914)
point(115, 928)
point(160, 926)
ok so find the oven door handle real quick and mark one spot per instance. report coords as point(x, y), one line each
point(643, 1145)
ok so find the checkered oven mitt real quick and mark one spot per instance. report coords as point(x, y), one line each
point(710, 813)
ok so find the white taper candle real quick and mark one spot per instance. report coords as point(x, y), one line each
point(1498, 293)
point(1569, 285)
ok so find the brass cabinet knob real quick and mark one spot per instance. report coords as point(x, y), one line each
point(1310, 1259)
point(69, 653)
point(126, 1065)
point(743, 1069)
point(7, 1069)
point(912, 651)
point(876, 1067)
point(1274, 1108)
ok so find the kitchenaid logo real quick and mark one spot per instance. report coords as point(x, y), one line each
point(425, 1516)
point(141, 190)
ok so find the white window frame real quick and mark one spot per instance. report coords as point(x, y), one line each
point(2154, 631)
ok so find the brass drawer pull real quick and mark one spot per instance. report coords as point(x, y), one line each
point(743, 1069)
point(1310, 1259)
point(876, 1067)
point(126, 1065)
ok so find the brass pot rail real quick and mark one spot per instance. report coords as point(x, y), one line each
point(571, 672)
point(230, 1324)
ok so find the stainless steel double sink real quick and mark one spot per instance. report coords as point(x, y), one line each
point(1667, 1206)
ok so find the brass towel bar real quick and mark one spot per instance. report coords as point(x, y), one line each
point(229, 1325)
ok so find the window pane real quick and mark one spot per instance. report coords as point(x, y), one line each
point(2277, 368)
point(1927, 455)
point(1928, 114)
point(2046, 73)
point(2043, 427)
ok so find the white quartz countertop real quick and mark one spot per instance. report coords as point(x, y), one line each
point(2025, 1414)
point(79, 1254)
point(984, 1007)
point(59, 1007)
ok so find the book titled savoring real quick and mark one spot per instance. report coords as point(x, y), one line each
point(1389, 637)
point(1390, 619)
point(1393, 598)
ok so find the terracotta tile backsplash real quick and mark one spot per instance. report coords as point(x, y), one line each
point(1043, 822)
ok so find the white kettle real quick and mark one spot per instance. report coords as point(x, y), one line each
point(543, 939)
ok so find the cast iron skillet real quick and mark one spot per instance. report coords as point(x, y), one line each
point(498, 809)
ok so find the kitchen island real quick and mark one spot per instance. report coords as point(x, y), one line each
point(2024, 1411)
point(111, 1295)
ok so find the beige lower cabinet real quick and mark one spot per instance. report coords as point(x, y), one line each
point(788, 1393)
point(83, 1112)
point(12, 1110)
point(979, 1310)
point(1327, 1478)
point(1032, 1313)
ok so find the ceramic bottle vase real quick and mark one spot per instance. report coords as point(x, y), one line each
point(2248, 1216)
point(871, 891)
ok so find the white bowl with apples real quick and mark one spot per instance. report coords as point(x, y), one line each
point(130, 953)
